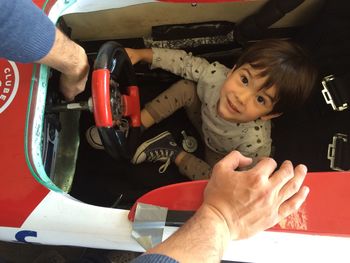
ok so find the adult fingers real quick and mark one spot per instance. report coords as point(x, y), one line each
point(282, 175)
point(233, 160)
point(293, 185)
point(292, 205)
point(71, 87)
point(264, 167)
point(69, 93)
point(69, 97)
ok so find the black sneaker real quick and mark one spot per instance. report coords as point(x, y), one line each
point(160, 148)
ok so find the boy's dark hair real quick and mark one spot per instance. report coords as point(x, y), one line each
point(287, 66)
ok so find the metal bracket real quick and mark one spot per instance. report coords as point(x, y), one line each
point(331, 93)
point(339, 152)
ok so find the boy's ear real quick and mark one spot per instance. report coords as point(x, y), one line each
point(270, 116)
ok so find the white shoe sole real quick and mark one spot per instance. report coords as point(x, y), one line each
point(93, 138)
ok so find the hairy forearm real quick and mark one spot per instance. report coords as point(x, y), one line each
point(71, 60)
point(202, 239)
point(66, 56)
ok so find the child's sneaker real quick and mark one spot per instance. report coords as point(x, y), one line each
point(160, 148)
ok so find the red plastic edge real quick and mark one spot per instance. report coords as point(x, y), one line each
point(187, 196)
point(101, 98)
point(132, 106)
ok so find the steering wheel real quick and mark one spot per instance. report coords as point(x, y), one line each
point(116, 105)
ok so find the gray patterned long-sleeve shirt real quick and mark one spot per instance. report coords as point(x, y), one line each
point(252, 139)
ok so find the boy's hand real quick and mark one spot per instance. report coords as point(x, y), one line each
point(137, 55)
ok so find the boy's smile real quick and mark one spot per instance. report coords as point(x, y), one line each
point(242, 98)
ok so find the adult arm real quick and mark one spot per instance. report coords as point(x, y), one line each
point(71, 60)
point(28, 35)
point(237, 205)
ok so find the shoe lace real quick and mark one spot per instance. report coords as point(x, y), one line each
point(161, 155)
point(164, 166)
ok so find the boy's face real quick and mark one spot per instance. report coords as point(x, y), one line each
point(243, 100)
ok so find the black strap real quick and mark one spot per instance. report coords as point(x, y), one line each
point(254, 26)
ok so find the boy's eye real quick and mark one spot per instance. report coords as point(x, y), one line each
point(244, 80)
point(260, 100)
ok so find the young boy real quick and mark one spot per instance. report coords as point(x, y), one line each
point(231, 109)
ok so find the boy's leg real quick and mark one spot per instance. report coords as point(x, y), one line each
point(163, 148)
point(180, 94)
point(192, 167)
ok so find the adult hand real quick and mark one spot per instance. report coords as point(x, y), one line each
point(257, 199)
point(236, 205)
point(70, 59)
point(73, 83)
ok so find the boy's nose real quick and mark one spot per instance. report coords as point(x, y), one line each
point(243, 97)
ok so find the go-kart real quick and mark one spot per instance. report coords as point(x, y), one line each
point(58, 190)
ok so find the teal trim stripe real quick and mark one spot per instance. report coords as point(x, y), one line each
point(39, 172)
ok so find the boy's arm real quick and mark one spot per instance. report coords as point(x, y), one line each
point(137, 55)
point(176, 61)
